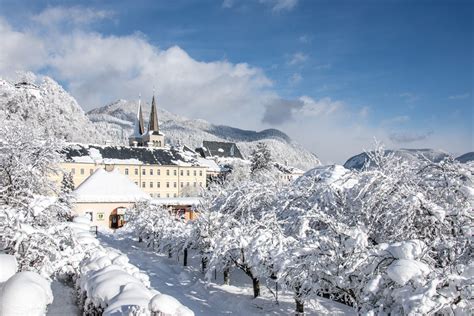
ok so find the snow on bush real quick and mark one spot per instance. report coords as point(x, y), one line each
point(395, 238)
point(108, 284)
point(8, 267)
point(25, 293)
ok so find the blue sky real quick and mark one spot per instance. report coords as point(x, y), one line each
point(345, 71)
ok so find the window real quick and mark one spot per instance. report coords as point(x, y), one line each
point(200, 173)
point(158, 195)
point(151, 172)
point(158, 172)
point(167, 172)
point(175, 172)
point(195, 173)
point(194, 184)
point(91, 171)
point(182, 172)
point(151, 184)
point(136, 182)
point(175, 195)
point(187, 184)
point(82, 170)
point(200, 184)
point(143, 171)
point(174, 185)
point(167, 184)
point(167, 195)
point(143, 184)
point(136, 171)
point(182, 184)
point(73, 171)
point(126, 171)
point(187, 173)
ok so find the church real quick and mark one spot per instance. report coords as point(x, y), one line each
point(110, 179)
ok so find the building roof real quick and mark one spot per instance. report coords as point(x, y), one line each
point(138, 125)
point(153, 122)
point(129, 155)
point(219, 149)
point(108, 186)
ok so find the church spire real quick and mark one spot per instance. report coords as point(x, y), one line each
point(138, 126)
point(153, 123)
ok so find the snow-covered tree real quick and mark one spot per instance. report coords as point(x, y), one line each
point(261, 158)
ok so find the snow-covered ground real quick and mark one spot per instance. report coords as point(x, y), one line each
point(188, 285)
point(64, 302)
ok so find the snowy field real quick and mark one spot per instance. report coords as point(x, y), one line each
point(189, 286)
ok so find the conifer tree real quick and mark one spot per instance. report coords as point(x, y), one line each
point(261, 158)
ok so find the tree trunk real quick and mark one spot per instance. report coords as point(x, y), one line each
point(185, 260)
point(203, 264)
point(299, 307)
point(256, 287)
point(227, 276)
point(170, 254)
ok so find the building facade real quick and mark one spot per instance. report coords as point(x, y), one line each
point(159, 170)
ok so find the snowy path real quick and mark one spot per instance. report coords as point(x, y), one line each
point(187, 285)
point(64, 301)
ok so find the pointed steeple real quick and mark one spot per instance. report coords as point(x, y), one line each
point(153, 123)
point(138, 126)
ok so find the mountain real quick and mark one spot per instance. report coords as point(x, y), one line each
point(467, 157)
point(358, 161)
point(191, 132)
point(42, 104)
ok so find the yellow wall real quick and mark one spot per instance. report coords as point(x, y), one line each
point(167, 181)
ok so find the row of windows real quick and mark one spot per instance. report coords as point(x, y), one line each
point(158, 172)
point(175, 172)
point(81, 171)
point(167, 195)
point(158, 184)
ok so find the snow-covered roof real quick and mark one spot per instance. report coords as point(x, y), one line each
point(108, 186)
point(129, 155)
point(219, 149)
point(176, 201)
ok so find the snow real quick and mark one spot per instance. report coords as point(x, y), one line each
point(177, 201)
point(108, 186)
point(188, 286)
point(8, 267)
point(40, 203)
point(64, 302)
point(25, 293)
point(132, 295)
point(168, 305)
point(404, 270)
point(411, 249)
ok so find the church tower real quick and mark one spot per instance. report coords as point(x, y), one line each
point(153, 137)
point(136, 139)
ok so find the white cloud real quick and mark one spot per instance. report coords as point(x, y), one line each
point(76, 15)
point(19, 50)
point(298, 58)
point(304, 39)
point(295, 79)
point(459, 96)
point(364, 112)
point(322, 107)
point(280, 5)
point(228, 4)
point(409, 97)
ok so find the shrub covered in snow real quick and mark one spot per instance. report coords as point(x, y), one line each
point(25, 293)
point(394, 238)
